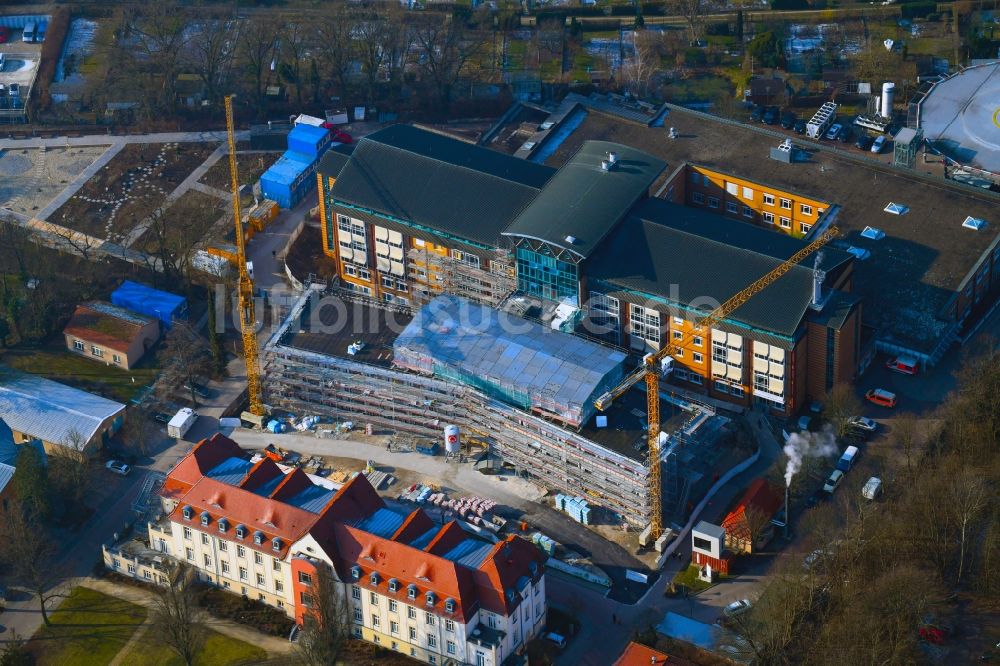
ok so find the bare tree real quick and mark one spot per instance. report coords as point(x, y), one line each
point(967, 497)
point(160, 43)
point(137, 433)
point(325, 628)
point(258, 39)
point(186, 358)
point(71, 473)
point(175, 615)
point(757, 523)
point(446, 48)
point(371, 32)
point(841, 404)
point(210, 53)
point(638, 70)
point(294, 49)
point(29, 555)
point(334, 34)
point(905, 428)
point(693, 12)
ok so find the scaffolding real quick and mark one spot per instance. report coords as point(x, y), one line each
point(433, 272)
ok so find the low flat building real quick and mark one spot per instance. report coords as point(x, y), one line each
point(59, 416)
point(433, 592)
point(109, 334)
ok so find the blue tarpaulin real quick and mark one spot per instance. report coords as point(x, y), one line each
point(151, 302)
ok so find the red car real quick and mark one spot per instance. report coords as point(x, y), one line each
point(881, 397)
point(4, 34)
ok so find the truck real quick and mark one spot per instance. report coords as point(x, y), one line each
point(181, 422)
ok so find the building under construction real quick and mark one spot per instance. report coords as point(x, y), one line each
point(354, 360)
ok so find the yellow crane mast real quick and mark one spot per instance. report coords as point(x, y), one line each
point(649, 369)
point(248, 320)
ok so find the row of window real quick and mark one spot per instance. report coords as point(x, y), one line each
point(732, 207)
point(78, 345)
point(244, 574)
point(389, 283)
point(359, 272)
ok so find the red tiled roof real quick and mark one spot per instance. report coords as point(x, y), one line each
point(498, 575)
point(762, 496)
point(415, 524)
point(104, 328)
point(263, 470)
point(205, 455)
point(447, 538)
point(294, 483)
point(636, 654)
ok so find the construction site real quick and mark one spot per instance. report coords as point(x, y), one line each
point(523, 403)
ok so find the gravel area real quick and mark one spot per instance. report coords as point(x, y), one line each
point(30, 177)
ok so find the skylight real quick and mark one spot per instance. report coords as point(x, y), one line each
point(975, 223)
point(896, 209)
point(873, 233)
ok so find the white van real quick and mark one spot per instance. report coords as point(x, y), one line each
point(558, 639)
point(847, 460)
point(30, 32)
point(872, 489)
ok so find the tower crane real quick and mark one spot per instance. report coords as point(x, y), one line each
point(248, 320)
point(649, 371)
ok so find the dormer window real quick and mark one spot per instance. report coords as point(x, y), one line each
point(356, 572)
point(223, 524)
point(241, 531)
point(188, 513)
point(276, 543)
point(449, 605)
point(374, 578)
point(393, 585)
point(258, 538)
point(411, 591)
point(205, 518)
point(430, 598)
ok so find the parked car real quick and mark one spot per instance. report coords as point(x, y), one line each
point(558, 639)
point(813, 558)
point(862, 423)
point(845, 134)
point(834, 130)
point(757, 113)
point(878, 144)
point(771, 115)
point(161, 417)
point(118, 467)
point(836, 477)
point(872, 489)
point(881, 397)
point(737, 608)
point(4, 34)
point(800, 126)
point(788, 120)
point(904, 365)
point(804, 422)
point(864, 142)
point(14, 90)
point(201, 391)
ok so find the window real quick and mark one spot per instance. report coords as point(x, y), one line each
point(805, 210)
point(449, 625)
point(305, 578)
point(769, 199)
point(748, 193)
point(413, 634)
point(258, 558)
point(678, 335)
point(719, 353)
point(225, 567)
point(429, 619)
point(243, 573)
point(355, 591)
point(276, 564)
point(731, 207)
point(96, 351)
point(678, 321)
point(697, 358)
point(204, 539)
point(372, 597)
point(117, 564)
point(760, 381)
point(768, 217)
point(645, 323)
point(786, 223)
point(713, 202)
point(147, 575)
point(696, 341)
point(698, 197)
point(116, 358)
point(78, 345)
point(400, 285)
point(187, 533)
point(344, 223)
point(694, 378)
point(737, 391)
point(721, 387)
point(451, 647)
point(190, 553)
point(411, 613)
point(732, 188)
point(387, 282)
point(358, 617)
point(393, 606)
point(747, 211)
point(786, 204)
point(260, 580)
point(393, 627)
point(131, 569)
point(376, 622)
point(279, 586)
point(432, 641)
point(241, 531)
point(806, 228)
point(208, 561)
point(388, 298)
point(305, 598)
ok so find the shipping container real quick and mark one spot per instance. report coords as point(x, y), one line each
point(308, 140)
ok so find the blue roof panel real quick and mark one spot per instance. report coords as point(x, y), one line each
point(384, 523)
point(230, 470)
point(469, 552)
point(421, 541)
point(288, 168)
point(312, 499)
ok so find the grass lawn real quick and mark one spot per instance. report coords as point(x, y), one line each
point(218, 650)
point(700, 89)
point(689, 579)
point(88, 629)
point(54, 361)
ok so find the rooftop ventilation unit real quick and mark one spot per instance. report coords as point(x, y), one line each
point(974, 223)
point(606, 165)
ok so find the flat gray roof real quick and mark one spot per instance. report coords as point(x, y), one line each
point(959, 118)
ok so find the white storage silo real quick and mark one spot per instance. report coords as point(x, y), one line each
point(452, 444)
point(888, 97)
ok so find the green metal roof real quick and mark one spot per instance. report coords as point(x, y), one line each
point(335, 159)
point(687, 255)
point(441, 183)
point(583, 201)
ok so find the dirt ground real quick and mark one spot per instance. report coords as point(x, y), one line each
point(129, 188)
point(249, 165)
point(306, 255)
point(30, 178)
point(190, 218)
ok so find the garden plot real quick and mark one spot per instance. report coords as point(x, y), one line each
point(129, 188)
point(31, 177)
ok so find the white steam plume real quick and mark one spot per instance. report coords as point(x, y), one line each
point(807, 444)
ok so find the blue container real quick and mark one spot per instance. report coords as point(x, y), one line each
point(308, 140)
point(151, 302)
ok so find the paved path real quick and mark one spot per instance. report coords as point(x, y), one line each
point(211, 191)
point(110, 139)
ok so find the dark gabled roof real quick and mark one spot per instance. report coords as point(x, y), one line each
point(836, 310)
point(437, 182)
point(683, 254)
point(336, 159)
point(584, 201)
